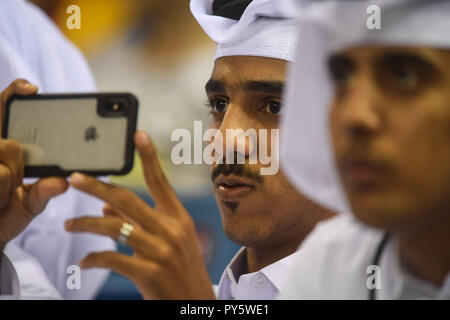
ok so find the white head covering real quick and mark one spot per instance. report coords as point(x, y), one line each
point(33, 48)
point(262, 30)
point(326, 27)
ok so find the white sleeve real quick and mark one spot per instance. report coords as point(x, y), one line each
point(39, 52)
point(216, 290)
point(13, 67)
point(9, 281)
point(23, 278)
point(46, 239)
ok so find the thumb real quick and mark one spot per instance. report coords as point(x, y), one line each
point(37, 195)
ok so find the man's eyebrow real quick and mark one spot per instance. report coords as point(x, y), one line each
point(340, 63)
point(402, 57)
point(264, 86)
point(214, 86)
point(260, 86)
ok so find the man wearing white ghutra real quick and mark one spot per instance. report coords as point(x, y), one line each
point(367, 132)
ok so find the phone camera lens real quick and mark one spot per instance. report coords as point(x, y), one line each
point(115, 107)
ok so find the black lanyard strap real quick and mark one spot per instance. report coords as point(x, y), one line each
point(376, 262)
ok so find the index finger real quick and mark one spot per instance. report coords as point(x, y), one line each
point(18, 86)
point(120, 198)
point(156, 180)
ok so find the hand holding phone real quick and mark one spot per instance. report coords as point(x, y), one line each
point(20, 203)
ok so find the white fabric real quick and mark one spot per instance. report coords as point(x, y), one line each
point(31, 47)
point(27, 280)
point(9, 281)
point(262, 30)
point(264, 284)
point(326, 27)
point(46, 239)
point(334, 262)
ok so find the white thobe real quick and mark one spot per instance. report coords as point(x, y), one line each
point(22, 277)
point(337, 263)
point(32, 48)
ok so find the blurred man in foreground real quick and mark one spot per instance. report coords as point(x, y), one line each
point(389, 123)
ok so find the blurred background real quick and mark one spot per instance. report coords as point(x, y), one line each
point(156, 50)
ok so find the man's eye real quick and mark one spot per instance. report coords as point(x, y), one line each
point(273, 107)
point(218, 105)
point(342, 79)
point(405, 77)
point(341, 70)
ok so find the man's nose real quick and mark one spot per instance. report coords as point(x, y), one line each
point(361, 112)
point(239, 135)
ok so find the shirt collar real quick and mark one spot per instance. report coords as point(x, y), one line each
point(275, 272)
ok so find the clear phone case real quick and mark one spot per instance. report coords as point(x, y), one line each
point(60, 134)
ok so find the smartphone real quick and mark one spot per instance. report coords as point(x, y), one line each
point(64, 133)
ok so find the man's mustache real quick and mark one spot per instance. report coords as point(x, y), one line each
point(240, 170)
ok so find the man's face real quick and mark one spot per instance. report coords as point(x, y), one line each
point(390, 125)
point(257, 210)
